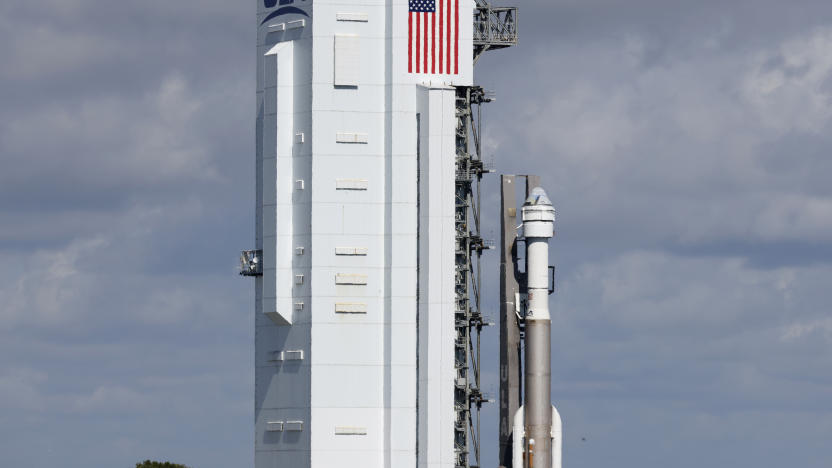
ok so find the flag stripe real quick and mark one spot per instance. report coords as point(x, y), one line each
point(440, 36)
point(409, 41)
point(433, 43)
point(448, 38)
point(418, 39)
point(456, 36)
point(425, 43)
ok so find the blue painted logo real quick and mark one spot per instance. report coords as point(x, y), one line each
point(272, 3)
point(284, 10)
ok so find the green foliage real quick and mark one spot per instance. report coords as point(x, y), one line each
point(155, 464)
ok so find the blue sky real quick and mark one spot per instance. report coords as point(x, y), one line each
point(686, 146)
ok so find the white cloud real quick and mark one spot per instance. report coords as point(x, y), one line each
point(112, 398)
point(39, 50)
point(95, 282)
point(790, 88)
point(20, 390)
point(49, 289)
point(696, 149)
point(796, 217)
point(708, 336)
point(655, 292)
point(796, 331)
point(107, 142)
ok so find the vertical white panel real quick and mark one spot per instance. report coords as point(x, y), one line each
point(348, 357)
point(283, 388)
point(278, 132)
point(436, 260)
point(347, 60)
point(446, 132)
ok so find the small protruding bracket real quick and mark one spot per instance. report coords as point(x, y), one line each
point(551, 279)
point(251, 263)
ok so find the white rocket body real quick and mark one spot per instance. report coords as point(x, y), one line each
point(518, 447)
point(537, 432)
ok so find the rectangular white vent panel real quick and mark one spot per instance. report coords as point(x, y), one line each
point(347, 60)
point(274, 426)
point(348, 16)
point(350, 430)
point(350, 278)
point(351, 138)
point(294, 355)
point(350, 308)
point(296, 24)
point(350, 250)
point(293, 426)
point(351, 184)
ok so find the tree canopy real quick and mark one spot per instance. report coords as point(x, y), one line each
point(155, 464)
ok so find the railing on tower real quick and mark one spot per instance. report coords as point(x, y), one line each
point(494, 27)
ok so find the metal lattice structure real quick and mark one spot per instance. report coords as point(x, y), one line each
point(494, 28)
point(469, 246)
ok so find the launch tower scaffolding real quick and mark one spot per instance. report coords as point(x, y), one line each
point(494, 28)
point(468, 398)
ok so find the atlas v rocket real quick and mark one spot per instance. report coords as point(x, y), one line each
point(539, 417)
point(530, 426)
point(367, 243)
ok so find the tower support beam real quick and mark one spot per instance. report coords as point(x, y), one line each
point(510, 364)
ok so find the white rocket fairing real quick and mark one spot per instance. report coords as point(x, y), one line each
point(356, 124)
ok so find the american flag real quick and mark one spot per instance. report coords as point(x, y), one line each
point(433, 37)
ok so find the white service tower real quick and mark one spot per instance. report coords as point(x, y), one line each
point(356, 254)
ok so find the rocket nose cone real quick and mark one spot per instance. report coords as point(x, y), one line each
point(538, 197)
